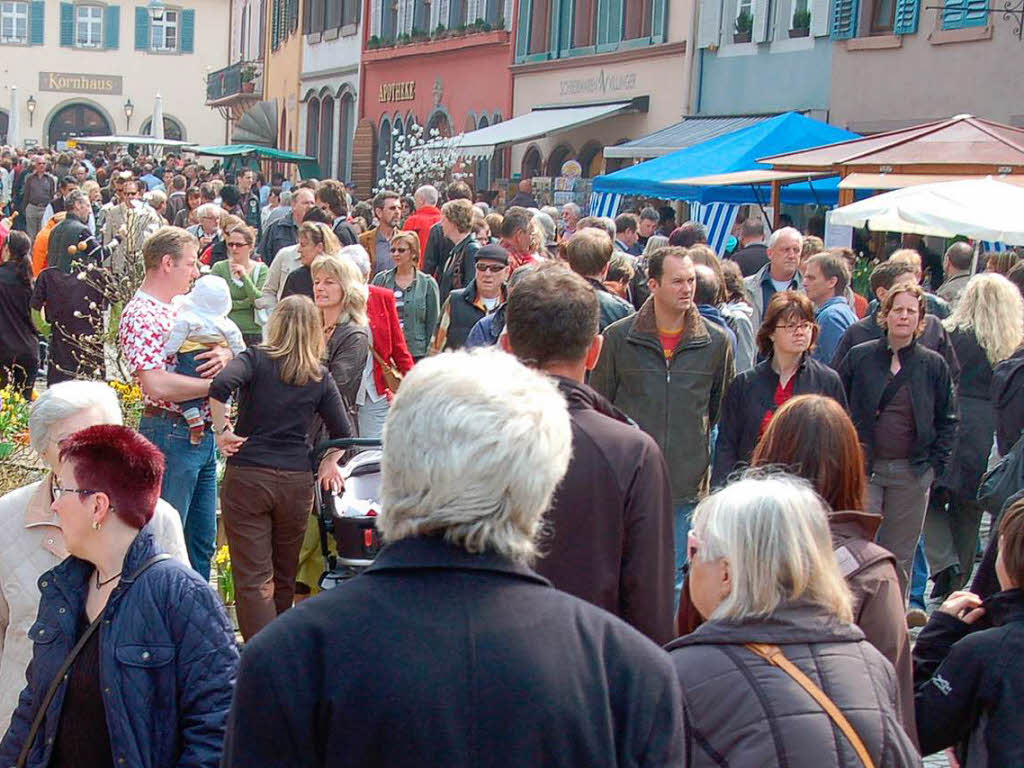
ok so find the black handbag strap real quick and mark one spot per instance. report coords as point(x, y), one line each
point(891, 389)
point(69, 660)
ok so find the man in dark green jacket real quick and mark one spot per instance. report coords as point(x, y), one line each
point(669, 370)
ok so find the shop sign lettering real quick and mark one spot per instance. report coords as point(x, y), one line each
point(69, 82)
point(602, 83)
point(397, 91)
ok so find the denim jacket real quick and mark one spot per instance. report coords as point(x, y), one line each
point(420, 311)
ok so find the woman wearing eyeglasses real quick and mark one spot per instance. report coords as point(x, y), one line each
point(153, 667)
point(416, 293)
point(245, 278)
point(902, 403)
point(784, 341)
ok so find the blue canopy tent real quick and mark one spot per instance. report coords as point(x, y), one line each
point(725, 160)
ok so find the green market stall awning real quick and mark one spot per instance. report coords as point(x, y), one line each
point(249, 155)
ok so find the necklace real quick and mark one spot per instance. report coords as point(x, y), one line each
point(101, 584)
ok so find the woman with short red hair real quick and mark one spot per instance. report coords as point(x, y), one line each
point(153, 687)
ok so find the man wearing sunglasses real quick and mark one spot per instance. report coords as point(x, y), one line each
point(482, 296)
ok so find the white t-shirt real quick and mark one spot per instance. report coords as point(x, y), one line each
point(782, 285)
point(491, 304)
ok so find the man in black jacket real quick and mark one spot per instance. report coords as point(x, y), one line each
point(439, 247)
point(610, 526)
point(285, 232)
point(448, 650)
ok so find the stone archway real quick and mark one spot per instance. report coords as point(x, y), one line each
point(79, 118)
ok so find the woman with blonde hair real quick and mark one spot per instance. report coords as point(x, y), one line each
point(267, 491)
point(340, 294)
point(778, 636)
point(315, 239)
point(986, 327)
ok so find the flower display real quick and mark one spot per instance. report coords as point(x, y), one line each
point(225, 578)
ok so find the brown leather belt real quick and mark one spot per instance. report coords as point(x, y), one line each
point(160, 413)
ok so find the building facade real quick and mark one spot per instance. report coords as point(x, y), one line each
point(762, 57)
point(589, 52)
point(442, 65)
point(281, 67)
point(899, 63)
point(329, 83)
point(93, 68)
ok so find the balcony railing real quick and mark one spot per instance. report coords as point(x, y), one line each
point(227, 82)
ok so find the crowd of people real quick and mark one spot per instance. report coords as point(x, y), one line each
point(643, 503)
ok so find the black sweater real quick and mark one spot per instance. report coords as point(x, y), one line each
point(275, 416)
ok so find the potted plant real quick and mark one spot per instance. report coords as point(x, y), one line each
point(248, 78)
point(744, 26)
point(801, 23)
point(373, 43)
point(13, 421)
point(440, 32)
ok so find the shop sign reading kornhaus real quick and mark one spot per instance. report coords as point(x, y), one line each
point(70, 82)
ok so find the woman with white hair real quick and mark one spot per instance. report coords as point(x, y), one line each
point(530, 675)
point(32, 541)
point(986, 327)
point(208, 229)
point(778, 675)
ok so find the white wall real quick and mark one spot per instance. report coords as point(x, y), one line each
point(179, 78)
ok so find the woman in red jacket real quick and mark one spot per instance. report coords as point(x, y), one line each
point(387, 348)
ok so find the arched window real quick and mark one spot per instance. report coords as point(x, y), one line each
point(397, 131)
point(345, 133)
point(558, 155)
point(483, 166)
point(172, 129)
point(531, 163)
point(77, 120)
point(4, 126)
point(313, 127)
point(498, 158)
point(439, 122)
point(591, 159)
point(326, 136)
point(384, 146)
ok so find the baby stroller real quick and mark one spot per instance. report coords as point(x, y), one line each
point(349, 518)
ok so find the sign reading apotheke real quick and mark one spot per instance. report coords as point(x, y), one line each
point(405, 91)
point(69, 82)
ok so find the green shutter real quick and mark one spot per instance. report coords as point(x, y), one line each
point(188, 31)
point(67, 25)
point(907, 12)
point(142, 41)
point(273, 25)
point(36, 22)
point(563, 27)
point(609, 22)
point(658, 25)
point(844, 19)
point(523, 29)
point(111, 27)
point(958, 14)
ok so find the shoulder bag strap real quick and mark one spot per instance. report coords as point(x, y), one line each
point(774, 656)
point(68, 661)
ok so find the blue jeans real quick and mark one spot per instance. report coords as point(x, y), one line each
point(190, 483)
point(186, 364)
point(682, 516)
point(918, 576)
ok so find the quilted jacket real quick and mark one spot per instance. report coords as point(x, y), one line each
point(167, 662)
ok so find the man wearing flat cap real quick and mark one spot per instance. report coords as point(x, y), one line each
point(482, 296)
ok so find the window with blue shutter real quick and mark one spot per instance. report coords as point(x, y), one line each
point(188, 31)
point(844, 19)
point(958, 14)
point(36, 22)
point(275, 26)
point(609, 24)
point(523, 29)
point(141, 29)
point(67, 25)
point(111, 27)
point(907, 12)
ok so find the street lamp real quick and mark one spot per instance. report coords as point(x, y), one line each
point(30, 105)
point(129, 110)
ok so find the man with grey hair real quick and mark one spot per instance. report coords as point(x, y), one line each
point(30, 531)
point(957, 266)
point(462, 506)
point(427, 214)
point(781, 273)
point(752, 253)
point(70, 232)
point(571, 214)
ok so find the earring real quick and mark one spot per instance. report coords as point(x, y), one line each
point(96, 526)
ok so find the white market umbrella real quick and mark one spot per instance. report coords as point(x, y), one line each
point(981, 209)
point(157, 123)
point(14, 119)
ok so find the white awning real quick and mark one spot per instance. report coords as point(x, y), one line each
point(533, 125)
